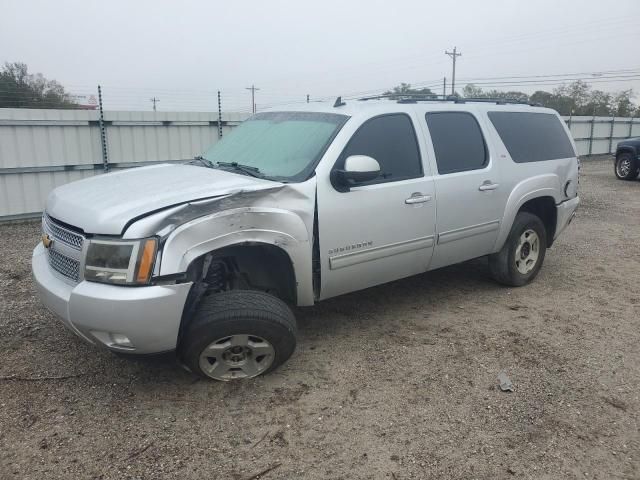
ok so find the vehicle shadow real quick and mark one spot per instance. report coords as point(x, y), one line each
point(352, 311)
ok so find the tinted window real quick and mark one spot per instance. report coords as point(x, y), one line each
point(532, 137)
point(391, 140)
point(457, 140)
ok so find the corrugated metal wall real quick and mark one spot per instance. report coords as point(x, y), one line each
point(41, 149)
point(598, 135)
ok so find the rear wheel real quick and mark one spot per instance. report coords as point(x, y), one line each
point(239, 334)
point(521, 257)
point(626, 167)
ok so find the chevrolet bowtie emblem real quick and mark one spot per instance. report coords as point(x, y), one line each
point(46, 241)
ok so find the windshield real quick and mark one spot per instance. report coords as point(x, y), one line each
point(282, 145)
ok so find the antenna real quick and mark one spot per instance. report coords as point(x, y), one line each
point(339, 103)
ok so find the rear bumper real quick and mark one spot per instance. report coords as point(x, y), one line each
point(147, 317)
point(565, 213)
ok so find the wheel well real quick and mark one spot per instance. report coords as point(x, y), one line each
point(250, 266)
point(545, 209)
point(622, 150)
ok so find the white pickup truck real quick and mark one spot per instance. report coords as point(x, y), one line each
point(296, 206)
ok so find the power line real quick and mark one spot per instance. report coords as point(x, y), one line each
point(598, 79)
point(628, 74)
point(125, 98)
point(595, 73)
point(566, 30)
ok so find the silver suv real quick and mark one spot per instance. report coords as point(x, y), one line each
point(296, 206)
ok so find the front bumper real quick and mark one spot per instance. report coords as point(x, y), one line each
point(147, 317)
point(566, 211)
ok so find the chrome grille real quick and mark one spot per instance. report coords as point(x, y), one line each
point(74, 240)
point(68, 267)
point(65, 251)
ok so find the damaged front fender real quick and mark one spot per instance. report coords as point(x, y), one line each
point(281, 216)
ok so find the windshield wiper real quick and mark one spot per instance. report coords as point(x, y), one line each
point(201, 161)
point(238, 167)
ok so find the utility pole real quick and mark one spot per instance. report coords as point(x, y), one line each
point(154, 100)
point(453, 55)
point(444, 87)
point(253, 89)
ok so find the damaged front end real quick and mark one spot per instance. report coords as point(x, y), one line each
point(254, 238)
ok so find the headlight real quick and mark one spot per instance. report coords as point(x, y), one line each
point(123, 262)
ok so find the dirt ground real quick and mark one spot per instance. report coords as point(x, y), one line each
point(394, 382)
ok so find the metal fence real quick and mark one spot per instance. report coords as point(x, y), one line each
point(600, 135)
point(42, 149)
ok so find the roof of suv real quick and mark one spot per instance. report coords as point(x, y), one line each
point(380, 106)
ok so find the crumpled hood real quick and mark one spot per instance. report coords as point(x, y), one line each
point(104, 204)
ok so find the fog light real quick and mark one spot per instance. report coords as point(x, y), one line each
point(121, 340)
point(113, 340)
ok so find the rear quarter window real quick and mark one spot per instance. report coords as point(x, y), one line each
point(532, 137)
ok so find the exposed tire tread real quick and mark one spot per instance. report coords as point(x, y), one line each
point(238, 303)
point(240, 311)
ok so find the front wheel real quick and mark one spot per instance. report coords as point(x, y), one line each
point(521, 257)
point(239, 334)
point(625, 167)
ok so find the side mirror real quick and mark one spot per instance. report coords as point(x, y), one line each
point(357, 169)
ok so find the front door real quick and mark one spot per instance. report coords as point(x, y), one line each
point(383, 229)
point(470, 199)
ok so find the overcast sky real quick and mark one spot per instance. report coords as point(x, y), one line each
point(179, 50)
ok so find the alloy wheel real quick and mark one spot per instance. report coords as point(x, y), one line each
point(236, 357)
point(527, 251)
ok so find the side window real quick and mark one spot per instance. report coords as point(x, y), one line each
point(391, 140)
point(532, 137)
point(457, 140)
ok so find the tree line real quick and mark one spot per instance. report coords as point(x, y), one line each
point(574, 98)
point(20, 89)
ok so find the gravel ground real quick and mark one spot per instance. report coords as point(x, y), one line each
point(394, 382)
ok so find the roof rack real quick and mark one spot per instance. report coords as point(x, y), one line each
point(498, 101)
point(415, 98)
point(409, 96)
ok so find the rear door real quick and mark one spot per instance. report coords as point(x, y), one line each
point(380, 230)
point(470, 197)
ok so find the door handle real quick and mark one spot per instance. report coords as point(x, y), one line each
point(487, 185)
point(417, 198)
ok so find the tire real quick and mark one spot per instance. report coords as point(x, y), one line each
point(238, 334)
point(625, 167)
point(504, 267)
